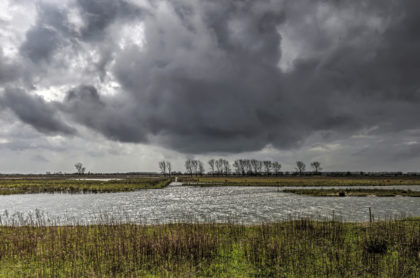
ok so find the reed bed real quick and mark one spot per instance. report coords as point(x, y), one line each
point(298, 181)
point(22, 186)
point(360, 192)
point(295, 248)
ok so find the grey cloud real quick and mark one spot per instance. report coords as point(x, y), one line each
point(99, 14)
point(9, 71)
point(209, 80)
point(40, 44)
point(208, 77)
point(35, 111)
point(84, 105)
point(47, 35)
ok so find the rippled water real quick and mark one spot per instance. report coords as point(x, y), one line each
point(206, 204)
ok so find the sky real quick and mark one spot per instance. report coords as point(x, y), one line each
point(122, 84)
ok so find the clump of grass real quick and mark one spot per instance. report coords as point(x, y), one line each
point(359, 192)
point(296, 248)
point(375, 245)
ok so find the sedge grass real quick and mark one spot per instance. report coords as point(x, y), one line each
point(296, 248)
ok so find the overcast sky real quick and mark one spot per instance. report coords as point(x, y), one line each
point(122, 84)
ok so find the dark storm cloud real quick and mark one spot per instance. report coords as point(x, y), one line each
point(209, 80)
point(48, 34)
point(84, 105)
point(53, 29)
point(35, 112)
point(41, 43)
point(99, 14)
point(211, 75)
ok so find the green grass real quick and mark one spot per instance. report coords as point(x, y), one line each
point(21, 186)
point(301, 248)
point(299, 181)
point(354, 192)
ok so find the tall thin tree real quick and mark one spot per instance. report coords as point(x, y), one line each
point(316, 165)
point(162, 167)
point(300, 167)
point(211, 164)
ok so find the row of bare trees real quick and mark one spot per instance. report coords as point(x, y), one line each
point(250, 167)
point(194, 167)
point(219, 167)
point(256, 167)
point(301, 167)
point(165, 167)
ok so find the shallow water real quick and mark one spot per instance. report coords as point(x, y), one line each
point(204, 204)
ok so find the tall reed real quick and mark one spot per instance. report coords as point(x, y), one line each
point(295, 248)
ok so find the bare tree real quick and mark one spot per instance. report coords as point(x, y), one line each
point(189, 167)
point(316, 165)
point(219, 166)
point(226, 167)
point(259, 167)
point(242, 166)
point(237, 167)
point(211, 163)
point(169, 167)
point(200, 167)
point(276, 167)
point(247, 166)
point(195, 166)
point(80, 169)
point(300, 167)
point(267, 167)
point(162, 166)
point(254, 166)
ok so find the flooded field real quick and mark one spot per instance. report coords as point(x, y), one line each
point(205, 204)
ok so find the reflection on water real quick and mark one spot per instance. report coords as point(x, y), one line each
point(207, 204)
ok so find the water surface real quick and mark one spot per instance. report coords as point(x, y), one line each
point(176, 203)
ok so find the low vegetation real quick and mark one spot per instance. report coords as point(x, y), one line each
point(299, 248)
point(21, 186)
point(354, 192)
point(298, 181)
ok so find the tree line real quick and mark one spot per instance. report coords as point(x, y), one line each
point(243, 167)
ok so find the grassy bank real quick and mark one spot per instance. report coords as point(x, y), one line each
point(354, 192)
point(301, 248)
point(299, 181)
point(21, 186)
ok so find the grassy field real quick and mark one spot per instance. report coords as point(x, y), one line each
point(21, 186)
point(299, 181)
point(301, 248)
point(354, 192)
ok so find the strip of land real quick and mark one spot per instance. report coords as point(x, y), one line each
point(108, 184)
point(298, 181)
point(301, 248)
point(38, 185)
point(354, 192)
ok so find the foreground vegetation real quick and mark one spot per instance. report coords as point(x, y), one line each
point(300, 248)
point(21, 186)
point(360, 192)
point(298, 181)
